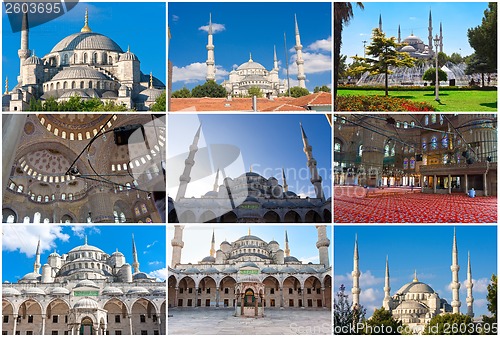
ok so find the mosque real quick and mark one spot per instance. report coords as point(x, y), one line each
point(253, 74)
point(428, 159)
point(250, 197)
point(85, 64)
point(414, 46)
point(250, 275)
point(416, 303)
point(83, 168)
point(85, 291)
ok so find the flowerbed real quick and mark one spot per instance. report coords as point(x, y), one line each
point(379, 103)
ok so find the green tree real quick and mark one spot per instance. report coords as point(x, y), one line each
point(298, 92)
point(342, 14)
point(430, 75)
point(354, 70)
point(478, 65)
point(160, 103)
point(385, 323)
point(255, 91)
point(345, 317)
point(442, 59)
point(384, 56)
point(323, 88)
point(456, 58)
point(209, 89)
point(342, 67)
point(451, 324)
point(491, 297)
point(181, 93)
point(35, 105)
point(50, 104)
point(483, 38)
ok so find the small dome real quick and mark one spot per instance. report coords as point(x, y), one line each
point(71, 93)
point(211, 194)
point(150, 94)
point(117, 253)
point(291, 259)
point(208, 259)
point(128, 56)
point(408, 49)
point(54, 254)
point(34, 292)
point(411, 305)
point(59, 291)
point(251, 199)
point(86, 283)
point(288, 270)
point(138, 291)
point(249, 264)
point(308, 270)
point(230, 270)
point(79, 73)
point(250, 237)
point(210, 270)
point(86, 303)
point(269, 270)
point(6, 292)
point(140, 276)
point(192, 270)
point(32, 277)
point(112, 291)
point(225, 243)
point(159, 292)
point(33, 60)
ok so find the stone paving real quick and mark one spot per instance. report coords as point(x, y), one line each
point(211, 321)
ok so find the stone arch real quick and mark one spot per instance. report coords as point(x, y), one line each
point(312, 216)
point(120, 207)
point(143, 311)
point(272, 216)
point(271, 291)
point(292, 292)
point(172, 284)
point(327, 216)
point(65, 85)
point(227, 286)
point(207, 292)
point(313, 296)
point(163, 315)
point(117, 315)
point(58, 307)
point(208, 216)
point(229, 217)
point(31, 312)
point(187, 216)
point(292, 216)
point(9, 215)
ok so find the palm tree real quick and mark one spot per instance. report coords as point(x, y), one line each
point(342, 13)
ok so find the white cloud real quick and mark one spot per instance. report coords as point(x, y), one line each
point(155, 241)
point(175, 18)
point(367, 279)
point(25, 238)
point(79, 230)
point(216, 27)
point(155, 263)
point(313, 259)
point(160, 274)
point(324, 44)
point(195, 72)
point(481, 285)
point(480, 303)
point(313, 63)
point(364, 34)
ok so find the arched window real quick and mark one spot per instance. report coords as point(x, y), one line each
point(20, 188)
point(393, 151)
point(81, 85)
point(94, 58)
point(433, 143)
point(37, 217)
point(387, 150)
point(115, 215)
point(46, 198)
point(405, 125)
point(433, 118)
point(84, 57)
point(426, 120)
point(10, 219)
point(122, 217)
point(424, 144)
point(338, 147)
point(360, 150)
point(412, 163)
point(26, 219)
point(405, 164)
point(73, 85)
point(137, 211)
point(144, 209)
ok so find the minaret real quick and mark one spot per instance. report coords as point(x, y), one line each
point(86, 28)
point(151, 80)
point(210, 53)
point(430, 32)
point(322, 244)
point(216, 183)
point(287, 247)
point(189, 163)
point(440, 37)
point(380, 23)
point(301, 76)
point(399, 33)
point(212, 246)
point(355, 276)
point(24, 52)
point(455, 284)
point(6, 85)
point(135, 264)
point(311, 163)
point(177, 245)
point(37, 265)
point(275, 60)
point(285, 185)
point(387, 304)
point(470, 298)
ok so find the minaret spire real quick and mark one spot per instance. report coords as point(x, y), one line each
point(216, 183)
point(355, 276)
point(212, 246)
point(86, 28)
point(177, 245)
point(301, 76)
point(311, 163)
point(24, 52)
point(469, 285)
point(287, 247)
point(135, 264)
point(210, 53)
point(151, 80)
point(6, 85)
point(285, 185)
point(189, 163)
point(275, 59)
point(380, 22)
point(455, 283)
point(322, 244)
point(37, 265)
point(399, 33)
point(430, 31)
point(387, 288)
point(440, 37)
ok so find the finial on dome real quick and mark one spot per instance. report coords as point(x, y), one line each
point(85, 239)
point(128, 49)
point(415, 279)
point(151, 80)
point(86, 28)
point(250, 60)
point(249, 233)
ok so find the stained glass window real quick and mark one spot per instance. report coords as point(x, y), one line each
point(426, 120)
point(387, 151)
point(412, 163)
point(360, 150)
point(424, 144)
point(433, 118)
point(137, 211)
point(433, 143)
point(405, 164)
point(444, 141)
point(144, 209)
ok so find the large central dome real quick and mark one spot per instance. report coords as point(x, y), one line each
point(86, 41)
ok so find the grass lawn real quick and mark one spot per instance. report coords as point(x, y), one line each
point(453, 100)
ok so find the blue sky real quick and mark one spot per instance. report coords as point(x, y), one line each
point(428, 249)
point(267, 143)
point(140, 25)
point(456, 18)
point(19, 245)
point(301, 239)
point(244, 28)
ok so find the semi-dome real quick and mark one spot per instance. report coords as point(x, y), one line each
point(33, 60)
point(150, 94)
point(128, 56)
point(208, 259)
point(112, 291)
point(72, 93)
point(86, 303)
point(408, 49)
point(86, 283)
point(291, 259)
point(138, 291)
point(6, 292)
point(411, 305)
point(415, 287)
point(86, 41)
point(79, 73)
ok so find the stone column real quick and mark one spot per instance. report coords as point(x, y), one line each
point(217, 297)
point(15, 324)
point(12, 130)
point(176, 297)
point(130, 323)
point(105, 328)
point(485, 184)
point(449, 183)
point(101, 206)
point(282, 300)
point(96, 329)
point(466, 184)
point(434, 183)
point(43, 324)
point(323, 299)
point(196, 297)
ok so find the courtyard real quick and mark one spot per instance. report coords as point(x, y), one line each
point(211, 321)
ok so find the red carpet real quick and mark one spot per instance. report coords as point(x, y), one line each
point(352, 206)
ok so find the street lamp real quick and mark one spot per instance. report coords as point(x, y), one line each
point(364, 48)
point(436, 43)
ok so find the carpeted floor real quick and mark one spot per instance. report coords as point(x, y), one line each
point(353, 206)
